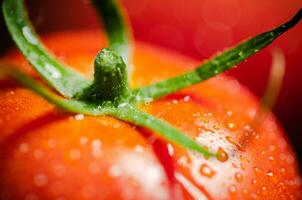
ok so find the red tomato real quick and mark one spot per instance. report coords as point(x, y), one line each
point(49, 154)
point(200, 28)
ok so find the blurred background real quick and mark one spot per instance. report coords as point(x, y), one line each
point(199, 28)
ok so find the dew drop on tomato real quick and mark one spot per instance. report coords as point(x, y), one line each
point(207, 171)
point(270, 174)
point(222, 155)
point(75, 154)
point(232, 189)
point(31, 196)
point(40, 180)
point(24, 148)
point(238, 177)
point(235, 143)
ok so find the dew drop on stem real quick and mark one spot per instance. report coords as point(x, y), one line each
point(29, 35)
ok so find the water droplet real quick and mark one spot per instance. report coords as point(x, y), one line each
point(115, 171)
point(245, 191)
point(271, 158)
point(254, 181)
point(83, 140)
point(52, 143)
point(272, 148)
point(31, 197)
point(75, 154)
point(117, 125)
point(252, 112)
point(88, 192)
point(229, 113)
point(96, 143)
point(215, 127)
point(254, 196)
point(231, 126)
point(175, 101)
point(96, 148)
point(216, 71)
point(270, 174)
point(256, 169)
point(232, 189)
point(283, 156)
point(94, 168)
point(147, 101)
point(256, 50)
point(207, 171)
point(248, 128)
point(222, 155)
point(234, 165)
point(38, 154)
point(235, 143)
point(52, 71)
point(57, 188)
point(23, 148)
point(40, 180)
point(241, 54)
point(244, 159)
point(79, 117)
point(187, 98)
point(139, 149)
point(170, 149)
point(122, 105)
point(238, 177)
point(198, 122)
point(290, 159)
point(183, 160)
point(58, 169)
point(29, 36)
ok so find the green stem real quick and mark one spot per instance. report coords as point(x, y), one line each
point(161, 128)
point(216, 65)
point(62, 78)
point(110, 79)
point(116, 27)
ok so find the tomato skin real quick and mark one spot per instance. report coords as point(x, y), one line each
point(51, 154)
point(200, 28)
point(248, 165)
point(58, 156)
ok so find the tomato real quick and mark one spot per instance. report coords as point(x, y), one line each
point(49, 154)
point(200, 28)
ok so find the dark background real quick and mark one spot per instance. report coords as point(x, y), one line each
point(199, 28)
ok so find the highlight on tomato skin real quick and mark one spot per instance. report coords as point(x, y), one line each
point(49, 154)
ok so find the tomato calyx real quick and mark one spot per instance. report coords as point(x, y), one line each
point(110, 81)
point(109, 92)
